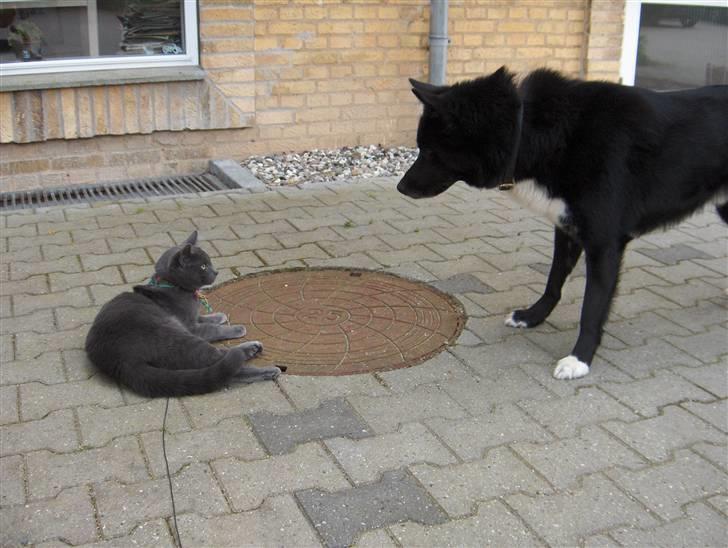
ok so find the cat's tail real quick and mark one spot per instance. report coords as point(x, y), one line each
point(155, 382)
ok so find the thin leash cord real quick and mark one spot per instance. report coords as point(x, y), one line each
point(169, 478)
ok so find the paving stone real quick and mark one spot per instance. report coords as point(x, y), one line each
point(460, 487)
point(22, 270)
point(665, 488)
point(492, 525)
point(374, 539)
point(120, 460)
point(134, 256)
point(462, 283)
point(55, 432)
point(347, 248)
point(28, 345)
point(470, 437)
point(673, 254)
point(634, 304)
point(340, 517)
point(92, 247)
point(253, 243)
point(306, 392)
point(362, 230)
point(248, 484)
point(365, 460)
point(12, 472)
point(69, 517)
point(697, 318)
point(20, 233)
point(411, 271)
point(9, 405)
point(278, 257)
point(298, 217)
point(251, 229)
point(657, 437)
point(35, 285)
point(355, 260)
point(70, 318)
point(701, 527)
point(281, 433)
point(441, 368)
point(719, 502)
point(87, 211)
point(37, 399)
point(711, 378)
point(411, 254)
point(119, 244)
point(564, 416)
point(563, 462)
point(229, 438)
point(99, 425)
point(647, 396)
point(679, 273)
point(386, 413)
point(644, 361)
point(691, 292)
point(39, 322)
point(636, 331)
point(7, 348)
point(151, 534)
point(705, 346)
point(277, 522)
point(716, 454)
point(716, 413)
point(121, 507)
point(564, 518)
point(77, 365)
point(492, 360)
point(503, 302)
point(120, 233)
point(27, 254)
point(46, 368)
point(25, 304)
point(319, 236)
point(5, 306)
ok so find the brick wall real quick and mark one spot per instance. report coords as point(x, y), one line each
point(321, 74)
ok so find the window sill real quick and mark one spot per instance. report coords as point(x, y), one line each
point(100, 78)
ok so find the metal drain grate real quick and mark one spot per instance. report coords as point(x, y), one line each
point(79, 194)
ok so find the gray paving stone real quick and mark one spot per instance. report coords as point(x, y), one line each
point(40, 322)
point(679, 273)
point(9, 405)
point(120, 460)
point(712, 378)
point(134, 256)
point(297, 216)
point(473, 246)
point(151, 534)
point(657, 437)
point(673, 254)
point(230, 438)
point(701, 527)
point(665, 488)
point(492, 525)
point(716, 413)
point(28, 254)
point(277, 522)
point(634, 304)
point(70, 517)
point(7, 348)
point(719, 502)
point(355, 260)
point(564, 416)
point(564, 518)
point(347, 248)
point(253, 243)
point(248, 484)
point(121, 507)
point(92, 247)
point(715, 453)
point(691, 292)
point(647, 396)
point(279, 257)
point(374, 539)
point(25, 304)
point(636, 331)
point(70, 318)
point(5, 306)
point(46, 368)
point(77, 365)
point(463, 283)
point(281, 433)
point(12, 473)
point(35, 285)
point(340, 517)
point(706, 346)
point(87, 211)
point(22, 270)
point(30, 345)
point(503, 302)
point(366, 459)
point(645, 361)
point(99, 425)
point(55, 432)
point(441, 368)
point(308, 392)
point(86, 235)
point(492, 360)
point(563, 462)
point(698, 318)
point(295, 239)
point(460, 487)
point(386, 413)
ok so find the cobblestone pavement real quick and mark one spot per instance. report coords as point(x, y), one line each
point(480, 445)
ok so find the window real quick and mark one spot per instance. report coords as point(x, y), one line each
point(42, 36)
point(673, 44)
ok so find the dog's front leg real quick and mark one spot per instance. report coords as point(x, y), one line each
point(602, 273)
point(566, 255)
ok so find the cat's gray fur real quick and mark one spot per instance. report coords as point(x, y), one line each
point(155, 341)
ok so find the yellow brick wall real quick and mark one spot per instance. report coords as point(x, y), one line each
point(315, 74)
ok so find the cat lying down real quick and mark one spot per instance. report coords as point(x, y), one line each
point(155, 341)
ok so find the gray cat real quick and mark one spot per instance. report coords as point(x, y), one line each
point(155, 341)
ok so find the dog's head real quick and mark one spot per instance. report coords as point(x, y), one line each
point(465, 134)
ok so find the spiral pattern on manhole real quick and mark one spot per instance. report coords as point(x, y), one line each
point(340, 322)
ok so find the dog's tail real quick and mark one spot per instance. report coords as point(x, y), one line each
point(155, 382)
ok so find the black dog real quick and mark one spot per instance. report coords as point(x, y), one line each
point(606, 163)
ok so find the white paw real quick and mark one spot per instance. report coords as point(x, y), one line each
point(510, 322)
point(570, 367)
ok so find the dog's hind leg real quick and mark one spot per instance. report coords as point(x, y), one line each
point(723, 211)
point(566, 254)
point(602, 274)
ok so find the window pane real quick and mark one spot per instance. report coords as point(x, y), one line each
point(682, 46)
point(32, 30)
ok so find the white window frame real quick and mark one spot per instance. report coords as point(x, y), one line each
point(630, 39)
point(189, 58)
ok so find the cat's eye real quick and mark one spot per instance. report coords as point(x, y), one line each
point(203, 267)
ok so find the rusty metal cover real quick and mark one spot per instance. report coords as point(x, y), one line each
point(340, 321)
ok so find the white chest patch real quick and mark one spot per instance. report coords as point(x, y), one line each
point(534, 197)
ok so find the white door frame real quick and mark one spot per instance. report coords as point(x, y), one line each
point(630, 39)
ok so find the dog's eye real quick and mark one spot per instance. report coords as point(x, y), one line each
point(203, 267)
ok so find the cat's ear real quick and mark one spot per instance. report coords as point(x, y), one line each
point(192, 238)
point(185, 254)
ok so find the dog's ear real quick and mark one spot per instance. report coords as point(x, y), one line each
point(430, 88)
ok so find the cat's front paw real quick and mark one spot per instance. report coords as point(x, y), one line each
point(238, 331)
point(251, 349)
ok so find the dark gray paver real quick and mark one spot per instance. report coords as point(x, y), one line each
point(281, 433)
point(339, 517)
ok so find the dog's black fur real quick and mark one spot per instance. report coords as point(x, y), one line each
point(623, 160)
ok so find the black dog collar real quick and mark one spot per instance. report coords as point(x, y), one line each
point(508, 180)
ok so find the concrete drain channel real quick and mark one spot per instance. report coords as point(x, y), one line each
point(340, 321)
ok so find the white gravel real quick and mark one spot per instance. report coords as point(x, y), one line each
point(312, 166)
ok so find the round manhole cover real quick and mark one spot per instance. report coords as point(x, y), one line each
point(340, 322)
